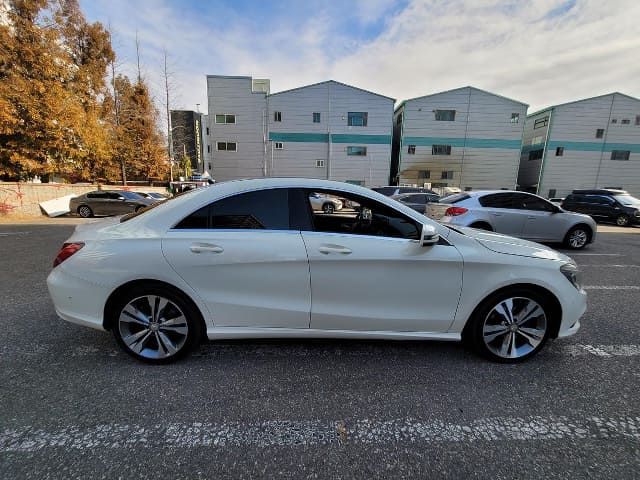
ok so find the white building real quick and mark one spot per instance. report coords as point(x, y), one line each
point(465, 138)
point(327, 130)
point(591, 143)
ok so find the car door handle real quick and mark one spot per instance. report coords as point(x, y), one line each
point(328, 249)
point(495, 214)
point(206, 248)
point(531, 218)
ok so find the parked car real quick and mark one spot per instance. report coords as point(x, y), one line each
point(605, 205)
point(324, 203)
point(556, 200)
point(391, 190)
point(417, 201)
point(519, 214)
point(158, 197)
point(251, 259)
point(108, 202)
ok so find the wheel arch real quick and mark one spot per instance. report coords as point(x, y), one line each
point(115, 296)
point(554, 304)
point(483, 225)
point(585, 225)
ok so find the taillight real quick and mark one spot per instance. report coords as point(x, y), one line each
point(455, 211)
point(66, 251)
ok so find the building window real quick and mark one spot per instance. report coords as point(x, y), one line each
point(447, 175)
point(620, 154)
point(559, 152)
point(600, 133)
point(626, 121)
point(536, 140)
point(357, 119)
point(224, 118)
point(227, 146)
point(207, 130)
point(278, 145)
point(552, 193)
point(440, 149)
point(445, 115)
point(536, 154)
point(319, 163)
point(468, 189)
point(208, 148)
point(637, 119)
point(360, 151)
point(541, 122)
point(316, 117)
point(614, 120)
point(277, 116)
point(424, 174)
point(515, 117)
point(411, 149)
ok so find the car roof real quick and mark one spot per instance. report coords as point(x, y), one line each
point(601, 191)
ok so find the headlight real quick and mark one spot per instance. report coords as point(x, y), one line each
point(636, 213)
point(571, 273)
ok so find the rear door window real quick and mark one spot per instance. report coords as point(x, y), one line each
point(497, 200)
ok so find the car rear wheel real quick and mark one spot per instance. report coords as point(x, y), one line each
point(328, 208)
point(511, 327)
point(85, 211)
point(156, 324)
point(577, 237)
point(622, 220)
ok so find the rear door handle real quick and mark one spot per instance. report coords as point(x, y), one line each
point(329, 249)
point(495, 214)
point(206, 248)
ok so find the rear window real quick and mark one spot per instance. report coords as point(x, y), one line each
point(455, 198)
point(385, 190)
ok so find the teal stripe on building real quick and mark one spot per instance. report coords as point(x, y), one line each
point(461, 142)
point(335, 138)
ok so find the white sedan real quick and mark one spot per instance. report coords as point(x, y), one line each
point(251, 258)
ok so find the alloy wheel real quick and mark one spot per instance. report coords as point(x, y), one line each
point(84, 211)
point(622, 221)
point(578, 238)
point(514, 328)
point(153, 327)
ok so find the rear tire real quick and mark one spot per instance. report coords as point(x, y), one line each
point(511, 326)
point(623, 220)
point(155, 324)
point(578, 237)
point(85, 211)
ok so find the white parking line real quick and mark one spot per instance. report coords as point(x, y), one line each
point(611, 287)
point(602, 350)
point(308, 433)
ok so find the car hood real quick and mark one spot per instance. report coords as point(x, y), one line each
point(507, 245)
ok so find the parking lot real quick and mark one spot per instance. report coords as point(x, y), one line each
point(73, 406)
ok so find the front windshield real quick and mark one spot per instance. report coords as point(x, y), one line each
point(130, 195)
point(627, 200)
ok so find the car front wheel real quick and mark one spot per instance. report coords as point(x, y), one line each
point(156, 324)
point(85, 211)
point(511, 327)
point(328, 208)
point(622, 220)
point(577, 237)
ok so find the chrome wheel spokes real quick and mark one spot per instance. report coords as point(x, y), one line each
point(578, 238)
point(514, 327)
point(153, 327)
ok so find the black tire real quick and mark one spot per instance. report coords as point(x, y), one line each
point(623, 220)
point(482, 226)
point(138, 208)
point(85, 211)
point(577, 237)
point(155, 324)
point(488, 318)
point(328, 208)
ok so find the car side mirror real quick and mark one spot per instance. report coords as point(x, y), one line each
point(429, 235)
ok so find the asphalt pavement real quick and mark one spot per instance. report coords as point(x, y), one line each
point(73, 406)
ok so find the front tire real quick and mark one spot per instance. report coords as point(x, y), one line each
point(578, 237)
point(156, 324)
point(623, 220)
point(328, 208)
point(511, 326)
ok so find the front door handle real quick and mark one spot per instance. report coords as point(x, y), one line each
point(206, 248)
point(328, 249)
point(495, 214)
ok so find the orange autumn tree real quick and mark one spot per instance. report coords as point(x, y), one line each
point(52, 80)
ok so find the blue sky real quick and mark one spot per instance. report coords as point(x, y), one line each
point(540, 52)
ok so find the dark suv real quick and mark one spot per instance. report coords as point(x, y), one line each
point(605, 205)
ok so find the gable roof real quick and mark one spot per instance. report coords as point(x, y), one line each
point(583, 100)
point(461, 88)
point(334, 82)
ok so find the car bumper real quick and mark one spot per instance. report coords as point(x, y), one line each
point(574, 305)
point(77, 300)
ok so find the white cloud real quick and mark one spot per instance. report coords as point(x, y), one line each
point(541, 52)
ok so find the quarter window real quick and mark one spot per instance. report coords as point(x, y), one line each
point(261, 210)
point(357, 119)
point(358, 151)
point(445, 115)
